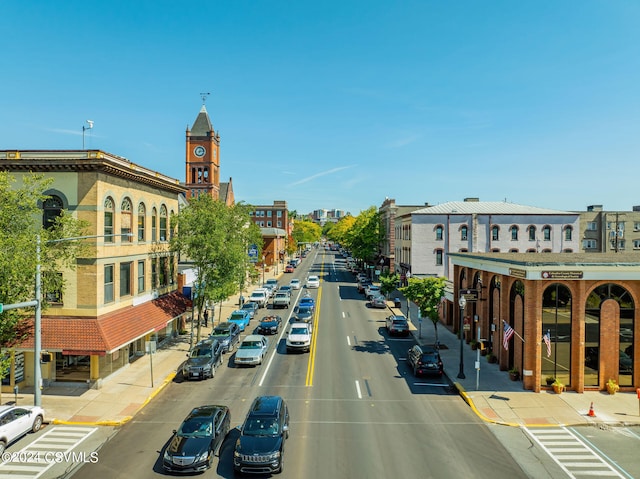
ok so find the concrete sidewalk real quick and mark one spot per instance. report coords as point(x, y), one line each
point(496, 398)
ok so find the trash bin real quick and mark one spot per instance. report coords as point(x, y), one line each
point(396, 302)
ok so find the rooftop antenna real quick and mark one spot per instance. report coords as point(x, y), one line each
point(204, 97)
point(85, 128)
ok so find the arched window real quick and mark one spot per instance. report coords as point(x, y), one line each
point(163, 223)
point(532, 233)
point(568, 233)
point(546, 233)
point(495, 233)
point(556, 331)
point(439, 232)
point(108, 220)
point(51, 209)
point(154, 225)
point(514, 233)
point(141, 221)
point(126, 220)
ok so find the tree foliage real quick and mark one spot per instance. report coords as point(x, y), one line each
point(305, 231)
point(339, 232)
point(366, 235)
point(427, 294)
point(216, 238)
point(388, 283)
point(21, 224)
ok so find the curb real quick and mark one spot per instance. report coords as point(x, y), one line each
point(121, 422)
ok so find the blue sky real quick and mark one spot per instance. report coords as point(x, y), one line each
point(339, 104)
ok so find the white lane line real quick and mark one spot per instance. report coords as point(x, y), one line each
point(358, 390)
point(343, 315)
point(348, 341)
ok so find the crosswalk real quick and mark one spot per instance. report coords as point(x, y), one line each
point(55, 447)
point(575, 457)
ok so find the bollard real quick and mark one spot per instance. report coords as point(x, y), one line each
point(15, 395)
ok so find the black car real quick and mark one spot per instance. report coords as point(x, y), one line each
point(228, 334)
point(303, 314)
point(260, 447)
point(424, 360)
point(203, 360)
point(269, 324)
point(194, 445)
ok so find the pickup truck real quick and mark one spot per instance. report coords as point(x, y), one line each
point(281, 300)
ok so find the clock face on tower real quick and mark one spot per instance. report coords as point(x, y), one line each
point(199, 151)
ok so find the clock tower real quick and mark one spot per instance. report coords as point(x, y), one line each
point(202, 158)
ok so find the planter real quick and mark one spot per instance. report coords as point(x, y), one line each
point(612, 387)
point(474, 345)
point(492, 358)
point(557, 388)
point(550, 381)
point(514, 375)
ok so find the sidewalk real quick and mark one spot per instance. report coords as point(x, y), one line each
point(128, 390)
point(495, 398)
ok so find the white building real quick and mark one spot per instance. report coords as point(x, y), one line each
point(481, 226)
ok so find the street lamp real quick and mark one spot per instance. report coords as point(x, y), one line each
point(462, 302)
point(263, 267)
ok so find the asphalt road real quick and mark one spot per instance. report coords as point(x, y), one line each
point(356, 410)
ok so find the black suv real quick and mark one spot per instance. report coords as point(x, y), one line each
point(424, 360)
point(203, 360)
point(260, 447)
point(193, 446)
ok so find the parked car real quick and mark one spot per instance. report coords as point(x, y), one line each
point(269, 324)
point(228, 334)
point(295, 284)
point(377, 301)
point(260, 447)
point(251, 307)
point(241, 318)
point(272, 284)
point(371, 290)
point(299, 337)
point(285, 288)
point(16, 421)
point(259, 296)
point(362, 285)
point(397, 325)
point(252, 350)
point(289, 268)
point(313, 282)
point(203, 360)
point(195, 443)
point(424, 360)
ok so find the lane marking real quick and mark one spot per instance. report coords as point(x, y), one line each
point(358, 389)
point(348, 341)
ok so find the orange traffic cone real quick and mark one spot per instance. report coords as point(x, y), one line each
point(592, 413)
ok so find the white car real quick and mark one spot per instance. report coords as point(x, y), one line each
point(16, 421)
point(299, 338)
point(295, 284)
point(259, 296)
point(313, 282)
point(252, 350)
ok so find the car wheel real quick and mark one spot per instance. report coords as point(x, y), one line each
point(279, 471)
point(37, 424)
point(3, 445)
point(212, 372)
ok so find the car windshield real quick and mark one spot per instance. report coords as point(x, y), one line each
point(399, 322)
point(221, 332)
point(201, 353)
point(250, 345)
point(295, 281)
point(268, 320)
point(195, 427)
point(260, 427)
point(304, 310)
point(299, 331)
point(429, 358)
point(237, 316)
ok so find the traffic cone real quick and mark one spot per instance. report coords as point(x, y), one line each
point(592, 413)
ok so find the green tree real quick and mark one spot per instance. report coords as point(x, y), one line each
point(366, 235)
point(427, 293)
point(21, 223)
point(389, 283)
point(216, 238)
point(305, 231)
point(339, 232)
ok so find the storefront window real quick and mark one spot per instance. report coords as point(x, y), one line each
point(556, 331)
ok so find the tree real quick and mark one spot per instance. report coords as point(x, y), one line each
point(216, 238)
point(21, 223)
point(366, 235)
point(389, 283)
point(339, 232)
point(305, 231)
point(427, 293)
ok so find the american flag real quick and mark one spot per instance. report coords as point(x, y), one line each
point(547, 340)
point(508, 332)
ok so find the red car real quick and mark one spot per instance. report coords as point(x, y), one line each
point(289, 269)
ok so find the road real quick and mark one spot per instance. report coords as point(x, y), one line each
point(356, 410)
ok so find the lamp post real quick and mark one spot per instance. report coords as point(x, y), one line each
point(462, 302)
point(263, 267)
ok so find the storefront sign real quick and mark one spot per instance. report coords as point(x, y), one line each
point(518, 273)
point(561, 274)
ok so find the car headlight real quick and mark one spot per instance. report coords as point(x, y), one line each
point(202, 457)
point(274, 456)
point(167, 456)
